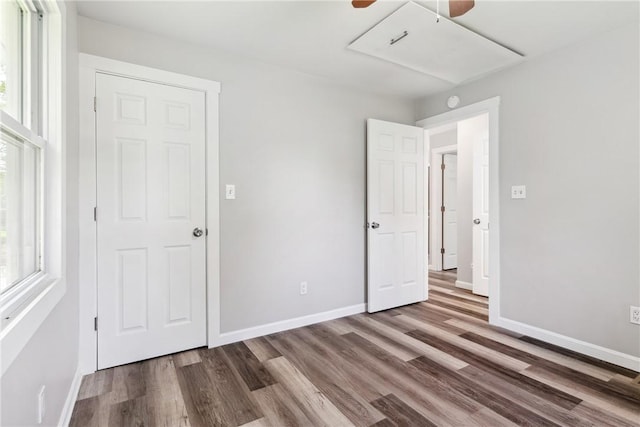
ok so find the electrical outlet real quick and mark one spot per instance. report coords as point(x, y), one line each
point(518, 192)
point(41, 407)
point(303, 288)
point(634, 315)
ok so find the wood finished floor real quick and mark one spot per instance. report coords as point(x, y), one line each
point(433, 363)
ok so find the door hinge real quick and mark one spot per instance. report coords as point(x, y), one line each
point(441, 208)
point(95, 104)
point(206, 231)
point(443, 166)
point(95, 323)
point(95, 213)
point(442, 251)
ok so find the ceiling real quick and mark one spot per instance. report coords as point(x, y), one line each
point(312, 36)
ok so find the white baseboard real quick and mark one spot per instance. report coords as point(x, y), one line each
point(612, 356)
point(69, 403)
point(464, 285)
point(284, 325)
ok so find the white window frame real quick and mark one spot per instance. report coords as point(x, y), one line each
point(25, 306)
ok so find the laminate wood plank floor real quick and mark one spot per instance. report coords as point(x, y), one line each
point(436, 363)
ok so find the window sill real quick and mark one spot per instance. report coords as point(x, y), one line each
point(27, 319)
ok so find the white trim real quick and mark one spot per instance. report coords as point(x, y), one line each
point(284, 325)
point(89, 66)
point(612, 356)
point(18, 333)
point(464, 285)
point(435, 189)
point(70, 401)
point(491, 106)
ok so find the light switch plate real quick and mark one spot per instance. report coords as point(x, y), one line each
point(230, 192)
point(518, 192)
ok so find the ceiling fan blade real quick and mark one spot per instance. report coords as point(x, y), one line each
point(459, 7)
point(359, 4)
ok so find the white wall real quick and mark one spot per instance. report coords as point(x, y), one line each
point(469, 131)
point(294, 146)
point(569, 132)
point(51, 356)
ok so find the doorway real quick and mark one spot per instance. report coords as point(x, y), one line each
point(442, 189)
point(448, 211)
point(149, 209)
point(394, 196)
point(468, 134)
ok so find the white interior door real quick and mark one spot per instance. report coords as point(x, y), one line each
point(481, 217)
point(449, 211)
point(151, 198)
point(395, 215)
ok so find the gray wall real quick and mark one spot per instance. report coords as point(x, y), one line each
point(569, 132)
point(443, 139)
point(51, 356)
point(294, 146)
point(470, 132)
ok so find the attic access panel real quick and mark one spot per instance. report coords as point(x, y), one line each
point(442, 49)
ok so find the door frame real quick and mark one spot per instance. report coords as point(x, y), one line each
point(436, 197)
point(492, 107)
point(89, 66)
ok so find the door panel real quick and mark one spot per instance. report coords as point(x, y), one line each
point(395, 201)
point(481, 213)
point(132, 290)
point(150, 195)
point(450, 214)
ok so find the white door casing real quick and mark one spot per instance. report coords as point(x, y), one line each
point(450, 213)
point(481, 217)
point(395, 215)
point(492, 108)
point(151, 175)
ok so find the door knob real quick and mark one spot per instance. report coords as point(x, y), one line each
point(476, 221)
point(197, 232)
point(375, 225)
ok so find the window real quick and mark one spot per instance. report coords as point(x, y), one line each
point(21, 149)
point(20, 162)
point(11, 18)
point(31, 186)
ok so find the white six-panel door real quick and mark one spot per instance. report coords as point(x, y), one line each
point(395, 208)
point(150, 197)
point(450, 214)
point(481, 217)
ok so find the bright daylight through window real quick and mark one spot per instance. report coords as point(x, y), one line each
point(21, 148)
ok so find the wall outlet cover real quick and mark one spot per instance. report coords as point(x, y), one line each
point(518, 191)
point(634, 315)
point(230, 192)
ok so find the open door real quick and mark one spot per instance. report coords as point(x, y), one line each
point(449, 211)
point(481, 217)
point(395, 215)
